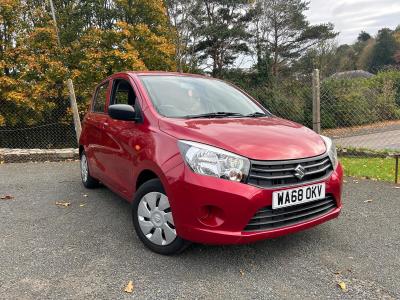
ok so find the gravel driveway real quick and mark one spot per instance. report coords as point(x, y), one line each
point(88, 250)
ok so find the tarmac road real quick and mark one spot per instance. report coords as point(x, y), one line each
point(385, 140)
point(89, 250)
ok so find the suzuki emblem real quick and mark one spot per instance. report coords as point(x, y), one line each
point(300, 172)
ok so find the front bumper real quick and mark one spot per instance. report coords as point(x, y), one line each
point(215, 211)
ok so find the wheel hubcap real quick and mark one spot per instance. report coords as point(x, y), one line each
point(84, 168)
point(155, 219)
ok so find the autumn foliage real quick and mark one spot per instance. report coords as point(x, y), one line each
point(97, 38)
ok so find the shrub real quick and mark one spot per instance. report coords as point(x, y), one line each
point(346, 103)
point(290, 98)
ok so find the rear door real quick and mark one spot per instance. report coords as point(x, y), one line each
point(94, 122)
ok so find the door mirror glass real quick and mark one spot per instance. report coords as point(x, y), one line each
point(122, 112)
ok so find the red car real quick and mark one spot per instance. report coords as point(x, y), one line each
point(201, 161)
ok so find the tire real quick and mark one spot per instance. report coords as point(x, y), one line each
point(153, 221)
point(87, 180)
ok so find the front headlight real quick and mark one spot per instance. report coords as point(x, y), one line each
point(331, 149)
point(211, 161)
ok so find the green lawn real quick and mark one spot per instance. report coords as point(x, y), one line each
point(377, 168)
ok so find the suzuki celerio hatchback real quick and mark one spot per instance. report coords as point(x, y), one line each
point(201, 161)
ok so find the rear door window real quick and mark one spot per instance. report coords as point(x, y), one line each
point(101, 98)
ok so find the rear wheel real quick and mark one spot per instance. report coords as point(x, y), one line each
point(87, 180)
point(153, 219)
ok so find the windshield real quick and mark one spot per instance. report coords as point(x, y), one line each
point(191, 97)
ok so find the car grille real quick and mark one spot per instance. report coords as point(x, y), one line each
point(268, 218)
point(282, 173)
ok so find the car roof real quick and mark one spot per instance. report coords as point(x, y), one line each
point(164, 73)
point(157, 73)
point(154, 73)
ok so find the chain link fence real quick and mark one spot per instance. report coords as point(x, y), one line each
point(32, 131)
point(362, 115)
point(360, 112)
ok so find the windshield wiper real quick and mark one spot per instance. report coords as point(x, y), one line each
point(256, 115)
point(219, 114)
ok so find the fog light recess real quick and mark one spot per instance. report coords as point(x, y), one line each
point(211, 216)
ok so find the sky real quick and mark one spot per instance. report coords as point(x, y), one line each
point(350, 17)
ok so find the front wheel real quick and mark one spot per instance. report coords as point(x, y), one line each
point(153, 220)
point(87, 180)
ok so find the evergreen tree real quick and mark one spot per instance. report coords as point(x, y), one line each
point(384, 50)
point(287, 33)
point(222, 31)
point(363, 36)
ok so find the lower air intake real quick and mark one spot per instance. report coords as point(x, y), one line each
point(268, 218)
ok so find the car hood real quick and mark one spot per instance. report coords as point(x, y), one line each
point(256, 138)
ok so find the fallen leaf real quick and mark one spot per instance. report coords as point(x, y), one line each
point(342, 286)
point(368, 201)
point(82, 204)
point(63, 203)
point(129, 287)
point(7, 197)
point(337, 272)
point(241, 272)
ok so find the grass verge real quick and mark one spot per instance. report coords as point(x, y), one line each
point(371, 167)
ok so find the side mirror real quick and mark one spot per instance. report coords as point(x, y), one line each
point(122, 112)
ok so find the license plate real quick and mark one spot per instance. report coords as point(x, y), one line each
point(297, 196)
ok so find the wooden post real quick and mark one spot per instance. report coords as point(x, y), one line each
point(316, 101)
point(72, 98)
point(74, 108)
point(53, 14)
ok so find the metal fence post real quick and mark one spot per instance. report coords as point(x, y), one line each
point(396, 174)
point(316, 101)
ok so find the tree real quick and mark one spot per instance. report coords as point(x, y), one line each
point(384, 50)
point(98, 38)
point(364, 56)
point(32, 66)
point(396, 35)
point(285, 31)
point(221, 26)
point(345, 58)
point(150, 32)
point(362, 50)
point(10, 27)
point(322, 57)
point(101, 53)
point(363, 36)
point(181, 16)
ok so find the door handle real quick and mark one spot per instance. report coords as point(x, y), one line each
point(105, 125)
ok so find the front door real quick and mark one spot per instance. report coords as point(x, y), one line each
point(120, 140)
